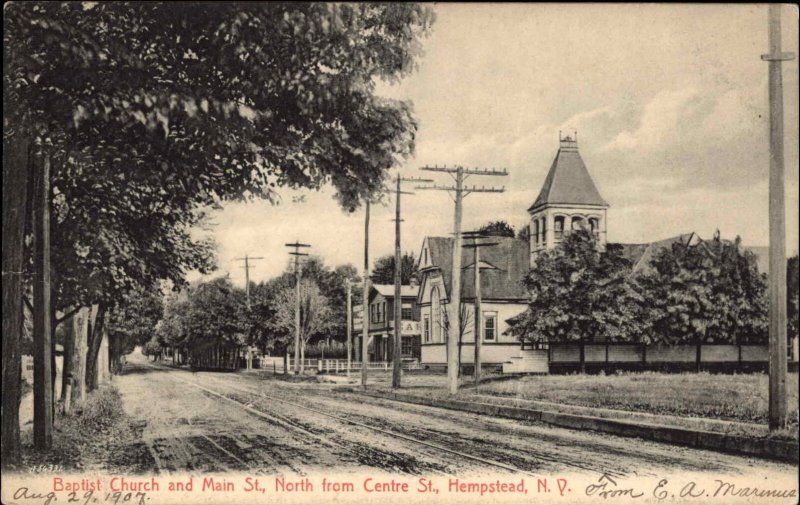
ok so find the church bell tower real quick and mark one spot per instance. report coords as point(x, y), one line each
point(568, 201)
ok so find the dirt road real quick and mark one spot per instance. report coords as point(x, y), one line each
point(218, 422)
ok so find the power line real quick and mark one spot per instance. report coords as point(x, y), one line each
point(459, 191)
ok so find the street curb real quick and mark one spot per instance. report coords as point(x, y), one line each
point(782, 450)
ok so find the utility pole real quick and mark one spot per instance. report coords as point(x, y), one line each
point(398, 267)
point(349, 326)
point(246, 267)
point(297, 254)
point(247, 259)
point(365, 303)
point(459, 174)
point(777, 226)
point(476, 262)
point(42, 366)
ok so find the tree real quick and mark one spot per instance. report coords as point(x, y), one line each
point(793, 295)
point(383, 269)
point(497, 229)
point(707, 293)
point(133, 322)
point(579, 294)
point(315, 313)
point(465, 328)
point(152, 111)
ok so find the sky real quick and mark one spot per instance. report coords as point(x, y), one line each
point(669, 103)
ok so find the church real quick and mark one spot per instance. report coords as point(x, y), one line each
point(568, 200)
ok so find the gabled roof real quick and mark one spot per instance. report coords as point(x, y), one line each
point(387, 290)
point(640, 255)
point(568, 181)
point(508, 262)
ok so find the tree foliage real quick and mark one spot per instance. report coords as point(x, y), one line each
point(578, 293)
point(792, 295)
point(383, 269)
point(315, 312)
point(708, 293)
point(497, 229)
point(133, 322)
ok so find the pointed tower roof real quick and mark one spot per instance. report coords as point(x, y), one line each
point(568, 181)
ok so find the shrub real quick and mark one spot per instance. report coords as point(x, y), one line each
point(102, 410)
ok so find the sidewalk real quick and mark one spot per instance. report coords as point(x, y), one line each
point(726, 436)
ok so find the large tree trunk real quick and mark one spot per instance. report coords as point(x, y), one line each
point(302, 356)
point(72, 368)
point(94, 341)
point(53, 366)
point(15, 182)
point(69, 355)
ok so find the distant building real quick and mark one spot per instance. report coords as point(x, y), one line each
point(381, 323)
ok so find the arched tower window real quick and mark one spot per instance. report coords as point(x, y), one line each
point(578, 223)
point(594, 225)
point(558, 227)
point(535, 232)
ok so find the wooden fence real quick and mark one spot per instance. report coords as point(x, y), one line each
point(610, 356)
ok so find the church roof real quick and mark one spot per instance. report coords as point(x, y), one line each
point(640, 255)
point(568, 181)
point(503, 267)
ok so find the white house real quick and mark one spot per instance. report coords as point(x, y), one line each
point(503, 268)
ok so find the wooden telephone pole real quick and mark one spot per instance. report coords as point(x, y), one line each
point(777, 227)
point(297, 254)
point(349, 326)
point(365, 303)
point(398, 267)
point(459, 174)
point(247, 259)
point(476, 262)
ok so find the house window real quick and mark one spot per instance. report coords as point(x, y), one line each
point(383, 310)
point(426, 323)
point(490, 326)
point(436, 314)
point(406, 312)
point(535, 232)
point(543, 231)
point(407, 346)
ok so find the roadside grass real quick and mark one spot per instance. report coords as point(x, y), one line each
point(98, 434)
point(736, 397)
point(733, 404)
